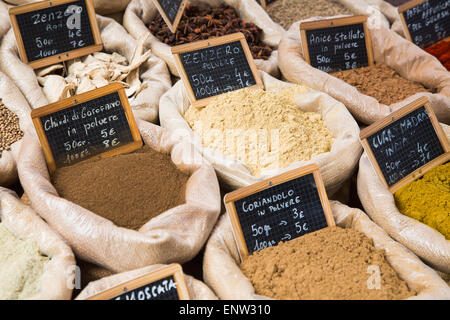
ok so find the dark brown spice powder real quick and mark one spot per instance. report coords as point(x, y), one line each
point(128, 189)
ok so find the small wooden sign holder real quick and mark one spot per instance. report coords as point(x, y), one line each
point(234, 196)
point(172, 27)
point(36, 114)
point(381, 124)
point(336, 22)
point(176, 51)
point(174, 270)
point(98, 46)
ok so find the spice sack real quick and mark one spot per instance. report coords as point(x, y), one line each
point(391, 50)
point(197, 290)
point(378, 202)
point(101, 6)
point(175, 235)
point(390, 10)
point(141, 13)
point(222, 272)
point(14, 117)
point(286, 12)
point(35, 262)
point(332, 141)
point(123, 59)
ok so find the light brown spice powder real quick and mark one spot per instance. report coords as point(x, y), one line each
point(332, 263)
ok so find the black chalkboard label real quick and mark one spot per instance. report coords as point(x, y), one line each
point(213, 67)
point(407, 142)
point(166, 283)
point(171, 11)
point(164, 289)
point(48, 34)
point(85, 126)
point(281, 211)
point(426, 22)
point(337, 44)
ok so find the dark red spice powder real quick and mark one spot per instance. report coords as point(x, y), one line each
point(441, 51)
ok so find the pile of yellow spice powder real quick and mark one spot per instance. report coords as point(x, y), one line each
point(265, 130)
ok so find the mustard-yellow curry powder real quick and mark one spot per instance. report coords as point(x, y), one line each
point(428, 199)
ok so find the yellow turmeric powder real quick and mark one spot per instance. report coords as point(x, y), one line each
point(428, 199)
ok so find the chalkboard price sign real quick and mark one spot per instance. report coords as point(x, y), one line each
point(264, 3)
point(426, 22)
point(282, 208)
point(49, 32)
point(405, 145)
point(98, 123)
point(337, 44)
point(166, 283)
point(171, 11)
point(212, 67)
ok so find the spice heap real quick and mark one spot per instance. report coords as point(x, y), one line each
point(92, 72)
point(381, 82)
point(201, 22)
point(275, 131)
point(21, 266)
point(128, 189)
point(441, 51)
point(332, 263)
point(9, 128)
point(286, 12)
point(428, 199)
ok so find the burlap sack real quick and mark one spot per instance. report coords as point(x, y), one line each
point(222, 274)
point(140, 13)
point(153, 73)
point(379, 204)
point(13, 99)
point(407, 59)
point(197, 289)
point(336, 166)
point(176, 235)
point(101, 6)
point(57, 279)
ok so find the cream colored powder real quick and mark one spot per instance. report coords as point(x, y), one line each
point(263, 129)
point(21, 266)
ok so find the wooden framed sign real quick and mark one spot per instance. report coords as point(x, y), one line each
point(282, 208)
point(332, 45)
point(49, 32)
point(426, 22)
point(405, 145)
point(166, 283)
point(171, 11)
point(212, 67)
point(98, 123)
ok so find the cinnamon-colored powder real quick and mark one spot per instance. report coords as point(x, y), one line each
point(128, 189)
point(332, 263)
point(381, 82)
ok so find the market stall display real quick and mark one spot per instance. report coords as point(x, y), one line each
point(402, 58)
point(35, 262)
point(123, 59)
point(261, 32)
point(158, 240)
point(222, 272)
point(381, 205)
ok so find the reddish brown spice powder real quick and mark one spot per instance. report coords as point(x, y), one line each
point(441, 51)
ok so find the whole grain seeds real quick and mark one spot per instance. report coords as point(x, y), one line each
point(201, 22)
point(381, 82)
point(286, 12)
point(9, 128)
